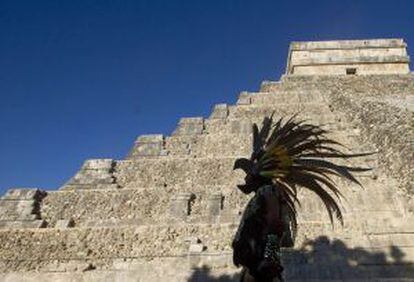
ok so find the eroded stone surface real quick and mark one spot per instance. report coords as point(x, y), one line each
point(169, 211)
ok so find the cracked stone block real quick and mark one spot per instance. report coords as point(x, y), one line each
point(180, 205)
point(190, 126)
point(220, 111)
point(244, 99)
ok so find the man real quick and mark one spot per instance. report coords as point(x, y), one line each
point(285, 157)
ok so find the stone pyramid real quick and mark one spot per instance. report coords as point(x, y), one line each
point(170, 208)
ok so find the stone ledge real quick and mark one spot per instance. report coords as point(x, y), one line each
point(23, 194)
point(220, 111)
point(190, 126)
point(351, 60)
point(23, 224)
point(348, 44)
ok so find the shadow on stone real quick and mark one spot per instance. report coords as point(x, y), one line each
point(331, 259)
point(204, 274)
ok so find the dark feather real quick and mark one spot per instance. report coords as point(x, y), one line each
point(329, 202)
point(342, 170)
point(264, 131)
point(256, 140)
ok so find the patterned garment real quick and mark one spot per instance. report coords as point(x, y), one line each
point(258, 252)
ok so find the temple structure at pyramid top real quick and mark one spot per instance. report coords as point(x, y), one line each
point(375, 56)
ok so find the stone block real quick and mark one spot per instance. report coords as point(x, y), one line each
point(241, 126)
point(244, 98)
point(114, 222)
point(180, 205)
point(98, 164)
point(17, 210)
point(270, 86)
point(192, 240)
point(65, 223)
point(190, 126)
point(21, 224)
point(148, 145)
point(196, 248)
point(69, 266)
point(23, 194)
point(93, 172)
point(220, 111)
point(215, 204)
point(25, 208)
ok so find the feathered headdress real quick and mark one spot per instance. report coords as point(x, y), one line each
point(295, 154)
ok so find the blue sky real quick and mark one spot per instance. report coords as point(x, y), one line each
point(82, 79)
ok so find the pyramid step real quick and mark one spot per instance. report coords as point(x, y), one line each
point(169, 171)
point(231, 136)
point(289, 98)
point(23, 224)
point(89, 208)
point(93, 244)
point(241, 125)
point(304, 83)
point(229, 144)
point(214, 170)
point(112, 242)
point(206, 145)
point(271, 86)
point(20, 205)
point(128, 204)
point(115, 244)
point(303, 109)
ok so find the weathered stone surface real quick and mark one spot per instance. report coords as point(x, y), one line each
point(93, 173)
point(23, 194)
point(20, 208)
point(64, 223)
point(241, 126)
point(180, 206)
point(20, 224)
point(148, 146)
point(220, 111)
point(378, 56)
point(196, 248)
point(215, 202)
point(218, 144)
point(244, 99)
point(171, 209)
point(14, 210)
point(190, 126)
